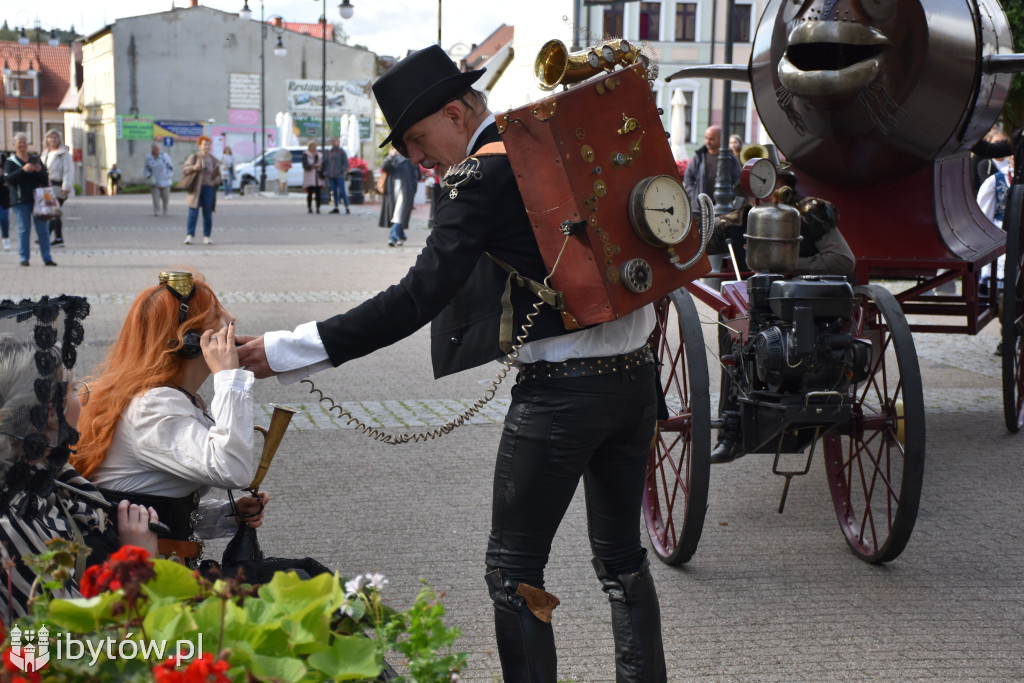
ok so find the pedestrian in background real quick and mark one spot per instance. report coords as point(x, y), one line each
point(227, 172)
point(399, 191)
point(736, 146)
point(159, 171)
point(57, 159)
point(337, 168)
point(5, 204)
point(24, 173)
point(113, 180)
point(312, 175)
point(202, 190)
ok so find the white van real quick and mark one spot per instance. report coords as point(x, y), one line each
point(247, 175)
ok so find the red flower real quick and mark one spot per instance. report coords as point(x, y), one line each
point(164, 672)
point(205, 670)
point(127, 568)
point(18, 676)
point(98, 579)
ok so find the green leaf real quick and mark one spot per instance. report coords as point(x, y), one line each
point(169, 621)
point(278, 668)
point(349, 658)
point(172, 580)
point(82, 615)
point(290, 594)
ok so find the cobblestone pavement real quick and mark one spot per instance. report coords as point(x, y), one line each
point(767, 597)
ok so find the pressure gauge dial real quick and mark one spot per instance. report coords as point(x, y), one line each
point(660, 211)
point(757, 178)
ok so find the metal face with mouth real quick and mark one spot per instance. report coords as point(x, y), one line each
point(826, 58)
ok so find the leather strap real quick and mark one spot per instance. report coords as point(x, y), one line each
point(491, 148)
point(551, 297)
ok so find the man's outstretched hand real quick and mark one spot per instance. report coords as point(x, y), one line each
point(252, 355)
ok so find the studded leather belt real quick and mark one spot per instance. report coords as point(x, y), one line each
point(587, 367)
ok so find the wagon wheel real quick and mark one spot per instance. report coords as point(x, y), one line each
point(1013, 313)
point(875, 470)
point(676, 493)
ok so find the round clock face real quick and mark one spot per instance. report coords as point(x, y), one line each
point(660, 211)
point(757, 178)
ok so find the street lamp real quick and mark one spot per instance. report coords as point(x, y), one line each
point(279, 51)
point(346, 10)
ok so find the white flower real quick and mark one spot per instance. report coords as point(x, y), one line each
point(353, 586)
point(455, 678)
point(377, 581)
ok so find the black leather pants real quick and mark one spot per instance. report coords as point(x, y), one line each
point(558, 431)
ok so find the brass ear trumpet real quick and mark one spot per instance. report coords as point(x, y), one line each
point(753, 151)
point(271, 440)
point(555, 65)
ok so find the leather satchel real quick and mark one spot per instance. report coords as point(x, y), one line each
point(190, 180)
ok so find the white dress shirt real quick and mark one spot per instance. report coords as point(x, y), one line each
point(166, 446)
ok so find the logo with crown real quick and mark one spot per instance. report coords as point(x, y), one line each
point(35, 653)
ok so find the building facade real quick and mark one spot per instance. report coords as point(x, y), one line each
point(172, 76)
point(673, 34)
point(35, 81)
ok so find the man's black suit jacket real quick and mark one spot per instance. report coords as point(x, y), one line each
point(454, 283)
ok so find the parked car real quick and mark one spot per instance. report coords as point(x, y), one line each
point(247, 175)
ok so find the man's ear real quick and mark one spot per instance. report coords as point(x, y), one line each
point(456, 112)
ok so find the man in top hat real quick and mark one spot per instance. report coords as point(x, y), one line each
point(584, 404)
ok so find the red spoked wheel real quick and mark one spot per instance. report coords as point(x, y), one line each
point(1013, 312)
point(875, 471)
point(676, 494)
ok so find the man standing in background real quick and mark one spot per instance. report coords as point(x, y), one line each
point(337, 167)
point(159, 171)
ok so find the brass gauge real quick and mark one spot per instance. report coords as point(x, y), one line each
point(659, 211)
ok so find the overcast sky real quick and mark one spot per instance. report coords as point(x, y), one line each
point(389, 27)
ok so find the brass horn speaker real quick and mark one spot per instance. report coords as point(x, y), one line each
point(271, 440)
point(753, 151)
point(555, 65)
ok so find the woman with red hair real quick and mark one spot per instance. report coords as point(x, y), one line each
point(201, 178)
point(146, 434)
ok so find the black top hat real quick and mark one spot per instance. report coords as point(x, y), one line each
point(418, 86)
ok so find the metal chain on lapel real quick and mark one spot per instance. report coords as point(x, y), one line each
point(461, 418)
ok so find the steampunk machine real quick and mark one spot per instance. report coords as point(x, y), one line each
point(876, 105)
point(847, 89)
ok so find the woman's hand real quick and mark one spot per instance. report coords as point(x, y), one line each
point(251, 505)
point(133, 526)
point(219, 348)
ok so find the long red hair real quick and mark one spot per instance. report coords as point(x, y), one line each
point(143, 357)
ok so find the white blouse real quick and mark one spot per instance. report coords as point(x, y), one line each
point(166, 446)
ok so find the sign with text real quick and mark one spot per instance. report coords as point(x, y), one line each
point(179, 130)
point(304, 96)
point(134, 128)
point(309, 127)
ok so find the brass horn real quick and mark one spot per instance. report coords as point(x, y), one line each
point(556, 65)
point(753, 151)
point(271, 440)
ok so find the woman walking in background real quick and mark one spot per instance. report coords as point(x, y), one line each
point(61, 170)
point(227, 172)
point(202, 191)
point(312, 165)
point(25, 172)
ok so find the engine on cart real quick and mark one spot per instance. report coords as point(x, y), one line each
point(797, 343)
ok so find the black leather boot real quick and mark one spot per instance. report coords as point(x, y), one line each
point(526, 641)
point(636, 625)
